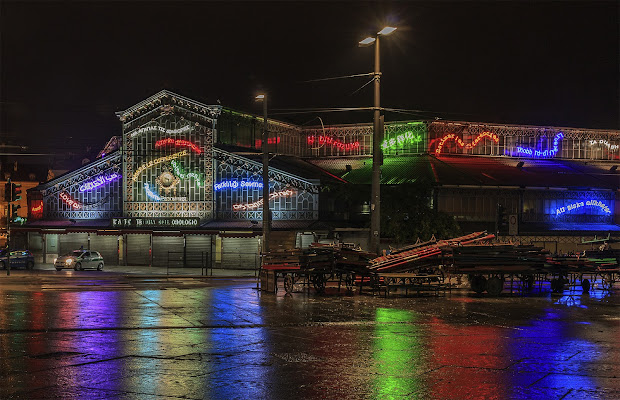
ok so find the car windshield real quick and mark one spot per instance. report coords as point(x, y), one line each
point(76, 253)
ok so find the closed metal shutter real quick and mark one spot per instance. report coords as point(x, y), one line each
point(167, 251)
point(107, 246)
point(197, 251)
point(35, 245)
point(240, 253)
point(72, 241)
point(138, 246)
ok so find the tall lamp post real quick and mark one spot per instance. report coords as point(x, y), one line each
point(377, 138)
point(265, 149)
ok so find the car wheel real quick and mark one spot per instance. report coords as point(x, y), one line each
point(30, 265)
point(100, 267)
point(58, 269)
point(77, 267)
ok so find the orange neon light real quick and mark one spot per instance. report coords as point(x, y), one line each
point(38, 208)
point(178, 143)
point(460, 142)
point(256, 204)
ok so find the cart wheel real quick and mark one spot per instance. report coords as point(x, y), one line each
point(319, 283)
point(557, 285)
point(495, 285)
point(585, 285)
point(288, 283)
point(478, 284)
point(606, 282)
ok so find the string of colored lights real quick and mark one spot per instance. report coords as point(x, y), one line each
point(99, 181)
point(178, 143)
point(180, 172)
point(542, 153)
point(256, 204)
point(322, 140)
point(460, 142)
point(150, 194)
point(579, 204)
point(400, 140)
point(237, 184)
point(155, 128)
point(66, 197)
point(157, 161)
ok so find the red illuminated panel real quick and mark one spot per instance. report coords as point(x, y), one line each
point(271, 140)
point(459, 141)
point(178, 143)
point(36, 209)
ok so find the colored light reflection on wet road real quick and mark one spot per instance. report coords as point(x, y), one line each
point(396, 352)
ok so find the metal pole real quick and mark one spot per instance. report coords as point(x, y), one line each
point(377, 161)
point(266, 214)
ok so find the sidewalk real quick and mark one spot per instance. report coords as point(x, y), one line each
point(144, 270)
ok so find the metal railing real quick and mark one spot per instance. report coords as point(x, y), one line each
point(187, 259)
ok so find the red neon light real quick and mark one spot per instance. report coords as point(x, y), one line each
point(36, 211)
point(70, 200)
point(321, 140)
point(271, 140)
point(178, 143)
point(460, 142)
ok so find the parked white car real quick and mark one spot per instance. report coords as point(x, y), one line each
point(79, 260)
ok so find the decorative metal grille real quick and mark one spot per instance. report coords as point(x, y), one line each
point(85, 193)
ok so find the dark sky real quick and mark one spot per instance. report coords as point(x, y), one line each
point(67, 67)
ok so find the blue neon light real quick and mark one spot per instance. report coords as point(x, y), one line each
point(99, 181)
point(150, 193)
point(579, 204)
point(528, 151)
point(237, 184)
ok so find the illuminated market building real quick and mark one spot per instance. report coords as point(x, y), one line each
point(186, 178)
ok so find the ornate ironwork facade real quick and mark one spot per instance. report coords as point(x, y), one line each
point(239, 191)
point(167, 165)
point(90, 192)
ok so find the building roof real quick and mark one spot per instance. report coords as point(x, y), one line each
point(478, 171)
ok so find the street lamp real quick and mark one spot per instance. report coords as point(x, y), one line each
point(266, 214)
point(377, 138)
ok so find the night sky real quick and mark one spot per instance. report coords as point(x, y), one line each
point(67, 67)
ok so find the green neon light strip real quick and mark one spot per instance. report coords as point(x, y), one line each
point(401, 140)
point(178, 171)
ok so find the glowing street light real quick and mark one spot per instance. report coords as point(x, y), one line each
point(377, 138)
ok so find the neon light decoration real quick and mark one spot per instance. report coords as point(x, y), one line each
point(36, 211)
point(460, 142)
point(66, 197)
point(180, 172)
point(157, 161)
point(38, 208)
point(150, 194)
point(99, 181)
point(400, 140)
point(259, 142)
point(579, 204)
point(542, 153)
point(154, 128)
point(322, 140)
point(256, 204)
point(237, 184)
point(178, 143)
point(604, 143)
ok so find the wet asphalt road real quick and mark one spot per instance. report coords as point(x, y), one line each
point(107, 336)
